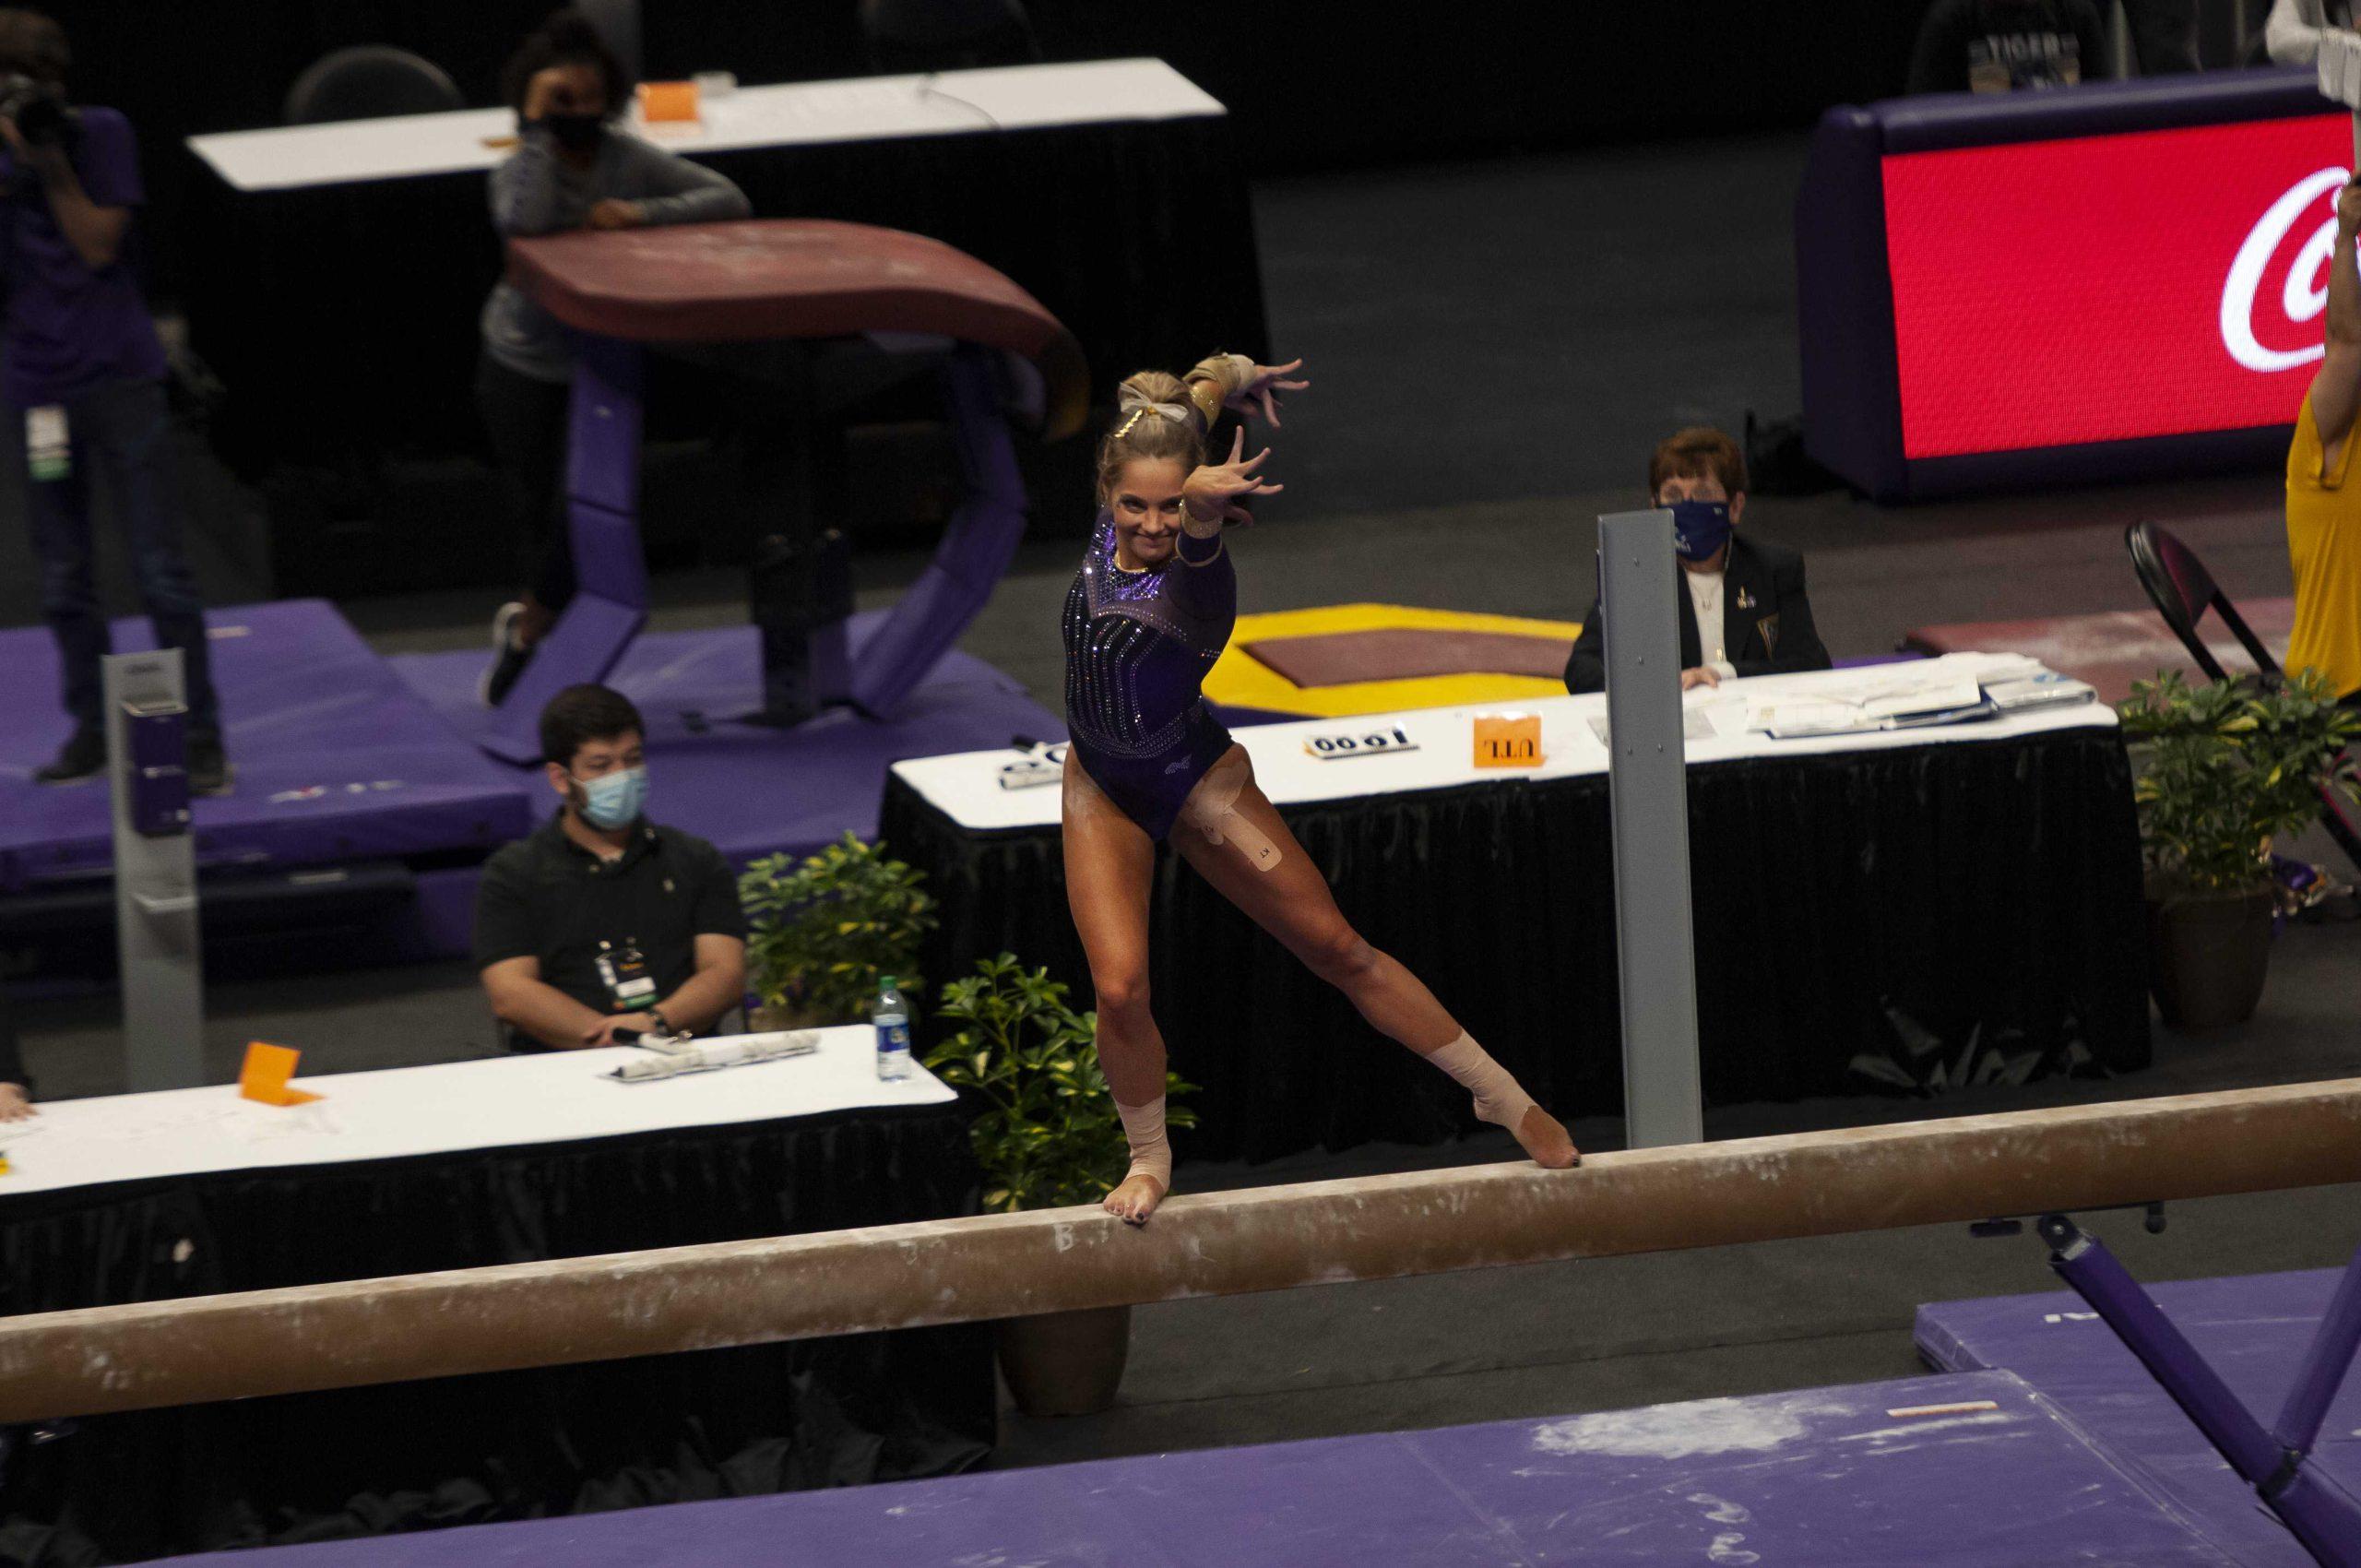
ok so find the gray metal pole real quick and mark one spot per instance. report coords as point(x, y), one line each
point(155, 874)
point(1647, 783)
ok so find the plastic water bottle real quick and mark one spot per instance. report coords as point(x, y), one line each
point(892, 1017)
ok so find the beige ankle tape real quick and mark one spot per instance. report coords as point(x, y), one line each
point(1212, 810)
point(1497, 1099)
point(1151, 1153)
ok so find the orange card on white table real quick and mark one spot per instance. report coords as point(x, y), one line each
point(660, 101)
point(263, 1076)
point(1508, 739)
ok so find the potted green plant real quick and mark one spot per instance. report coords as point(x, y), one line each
point(820, 930)
point(2225, 769)
point(1047, 1137)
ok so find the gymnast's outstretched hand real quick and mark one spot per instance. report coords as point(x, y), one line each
point(1266, 379)
point(1210, 494)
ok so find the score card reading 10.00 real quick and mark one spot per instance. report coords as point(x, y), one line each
point(1373, 743)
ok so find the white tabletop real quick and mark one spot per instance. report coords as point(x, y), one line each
point(499, 1103)
point(966, 786)
point(862, 109)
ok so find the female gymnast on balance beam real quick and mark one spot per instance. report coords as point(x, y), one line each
point(1147, 615)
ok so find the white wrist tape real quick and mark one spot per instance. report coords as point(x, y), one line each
point(1499, 1099)
point(1151, 1153)
point(1212, 810)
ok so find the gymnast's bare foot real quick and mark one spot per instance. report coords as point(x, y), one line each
point(1136, 1198)
point(1546, 1139)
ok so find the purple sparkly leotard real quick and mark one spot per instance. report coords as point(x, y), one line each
point(1138, 645)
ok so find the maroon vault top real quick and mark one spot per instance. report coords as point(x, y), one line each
point(769, 277)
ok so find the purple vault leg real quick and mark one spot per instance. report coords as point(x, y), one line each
point(974, 551)
point(2325, 1516)
point(610, 601)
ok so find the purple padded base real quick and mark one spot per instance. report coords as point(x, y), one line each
point(2252, 1328)
point(336, 760)
point(1827, 1477)
point(342, 755)
point(750, 789)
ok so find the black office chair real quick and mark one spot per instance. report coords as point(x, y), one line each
point(914, 37)
point(2183, 590)
point(370, 81)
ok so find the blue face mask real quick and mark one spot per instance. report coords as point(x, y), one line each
point(613, 800)
point(1699, 528)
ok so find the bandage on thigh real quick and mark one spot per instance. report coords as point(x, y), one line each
point(1081, 796)
point(1212, 810)
point(1151, 1153)
point(1499, 1098)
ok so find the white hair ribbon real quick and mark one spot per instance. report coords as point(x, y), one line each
point(1132, 403)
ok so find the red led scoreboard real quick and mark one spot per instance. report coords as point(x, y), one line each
point(2123, 280)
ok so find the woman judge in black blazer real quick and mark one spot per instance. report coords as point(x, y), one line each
point(1745, 611)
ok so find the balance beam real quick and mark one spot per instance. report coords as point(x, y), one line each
point(701, 1297)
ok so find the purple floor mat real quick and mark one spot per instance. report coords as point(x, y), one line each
point(2253, 1329)
point(336, 760)
point(1829, 1477)
point(342, 755)
point(753, 790)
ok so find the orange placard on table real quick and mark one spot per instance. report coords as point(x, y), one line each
point(1508, 739)
point(668, 100)
point(265, 1076)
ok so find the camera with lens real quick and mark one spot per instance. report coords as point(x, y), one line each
point(43, 118)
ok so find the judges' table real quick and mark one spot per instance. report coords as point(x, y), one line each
point(1887, 910)
point(1981, 277)
point(142, 1197)
point(337, 293)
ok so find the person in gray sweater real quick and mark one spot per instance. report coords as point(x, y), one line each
point(572, 168)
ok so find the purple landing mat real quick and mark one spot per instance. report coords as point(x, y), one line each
point(2252, 1329)
point(1829, 1477)
point(754, 791)
point(336, 760)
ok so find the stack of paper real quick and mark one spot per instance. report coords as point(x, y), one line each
point(2047, 689)
point(1954, 699)
point(706, 1056)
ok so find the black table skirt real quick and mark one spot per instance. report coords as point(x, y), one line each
point(509, 1445)
point(1871, 920)
point(343, 319)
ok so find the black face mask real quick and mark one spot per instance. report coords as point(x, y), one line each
point(577, 132)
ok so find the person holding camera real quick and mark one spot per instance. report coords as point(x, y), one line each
point(84, 390)
point(2323, 509)
point(571, 170)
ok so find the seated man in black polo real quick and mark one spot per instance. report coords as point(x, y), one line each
point(1744, 613)
point(602, 921)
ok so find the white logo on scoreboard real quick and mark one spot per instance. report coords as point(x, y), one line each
point(2297, 297)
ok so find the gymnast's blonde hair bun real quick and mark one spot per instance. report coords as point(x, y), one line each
point(1155, 420)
